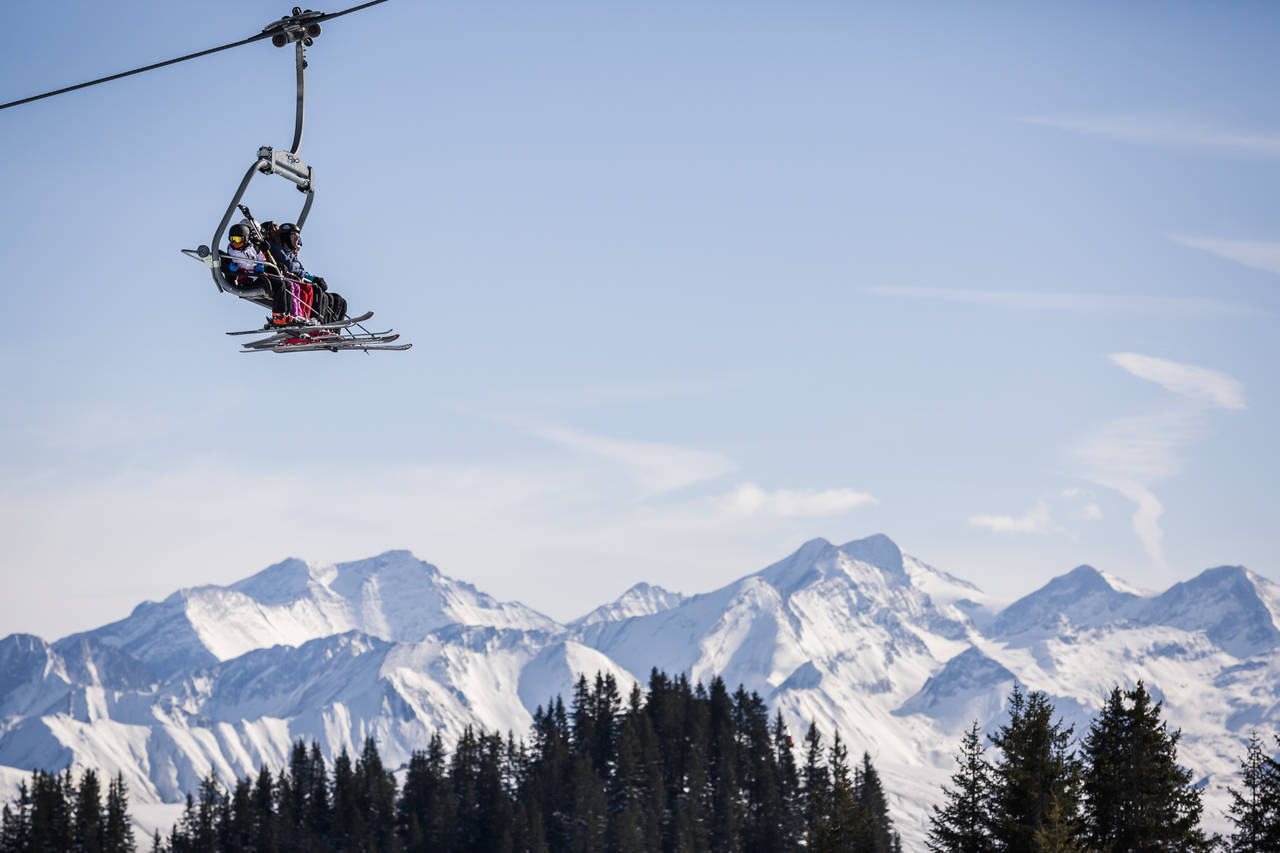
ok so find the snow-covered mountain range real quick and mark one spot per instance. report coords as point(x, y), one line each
point(897, 655)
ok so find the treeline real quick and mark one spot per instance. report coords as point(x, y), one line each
point(681, 768)
point(1120, 790)
point(55, 815)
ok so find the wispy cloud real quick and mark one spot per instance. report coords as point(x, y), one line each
point(1034, 520)
point(1110, 303)
point(623, 393)
point(655, 466)
point(1073, 496)
point(1166, 131)
point(750, 499)
point(1251, 253)
point(1143, 448)
point(1133, 455)
point(1200, 384)
point(557, 534)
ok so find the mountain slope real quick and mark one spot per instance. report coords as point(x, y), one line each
point(860, 637)
point(393, 596)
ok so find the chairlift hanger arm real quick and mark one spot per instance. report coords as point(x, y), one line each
point(271, 31)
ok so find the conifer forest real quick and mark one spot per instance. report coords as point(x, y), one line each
point(682, 767)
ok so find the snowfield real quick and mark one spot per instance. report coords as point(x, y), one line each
point(898, 656)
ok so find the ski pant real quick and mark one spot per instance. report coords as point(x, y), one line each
point(280, 297)
point(327, 306)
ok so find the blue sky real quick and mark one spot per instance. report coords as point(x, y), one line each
point(688, 283)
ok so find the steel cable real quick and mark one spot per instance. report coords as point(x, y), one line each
point(258, 37)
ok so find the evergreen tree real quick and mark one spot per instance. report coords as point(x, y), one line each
point(238, 833)
point(118, 830)
point(305, 802)
point(691, 801)
point(842, 824)
point(1255, 809)
point(815, 793)
point(962, 823)
point(876, 834)
point(789, 820)
point(89, 818)
point(546, 789)
point(52, 796)
point(1035, 771)
point(376, 798)
point(54, 814)
point(1058, 832)
point(265, 826)
point(484, 813)
point(15, 823)
point(198, 828)
point(590, 807)
point(635, 789)
point(764, 820)
point(426, 808)
point(1271, 793)
point(349, 831)
point(585, 738)
point(722, 775)
point(1136, 796)
point(530, 835)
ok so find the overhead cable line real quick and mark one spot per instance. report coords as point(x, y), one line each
point(268, 32)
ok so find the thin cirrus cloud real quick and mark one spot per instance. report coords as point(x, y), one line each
point(1133, 455)
point(1034, 520)
point(1165, 131)
point(1066, 301)
point(1211, 387)
point(1254, 254)
point(750, 499)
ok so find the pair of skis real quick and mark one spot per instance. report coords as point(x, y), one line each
point(326, 336)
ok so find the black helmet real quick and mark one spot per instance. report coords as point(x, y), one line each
point(239, 235)
point(287, 231)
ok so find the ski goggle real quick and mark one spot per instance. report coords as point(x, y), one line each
point(236, 239)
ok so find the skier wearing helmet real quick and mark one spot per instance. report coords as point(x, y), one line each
point(247, 269)
point(325, 306)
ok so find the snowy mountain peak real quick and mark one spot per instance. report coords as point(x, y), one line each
point(877, 550)
point(970, 687)
point(1235, 608)
point(1081, 598)
point(281, 583)
point(800, 568)
point(393, 596)
point(643, 599)
point(1084, 577)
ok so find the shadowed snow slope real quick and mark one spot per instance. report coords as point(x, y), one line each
point(899, 656)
